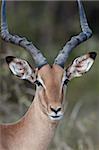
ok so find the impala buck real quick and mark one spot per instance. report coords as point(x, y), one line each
point(36, 129)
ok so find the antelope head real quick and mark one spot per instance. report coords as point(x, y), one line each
point(51, 81)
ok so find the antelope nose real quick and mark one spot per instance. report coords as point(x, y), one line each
point(55, 110)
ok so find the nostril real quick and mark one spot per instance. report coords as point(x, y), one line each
point(56, 110)
point(52, 109)
point(59, 109)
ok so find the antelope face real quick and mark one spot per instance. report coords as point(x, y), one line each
point(51, 90)
point(51, 81)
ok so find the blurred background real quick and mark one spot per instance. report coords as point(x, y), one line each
point(50, 24)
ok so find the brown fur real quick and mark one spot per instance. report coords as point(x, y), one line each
point(36, 130)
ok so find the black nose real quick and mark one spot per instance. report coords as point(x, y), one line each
point(93, 55)
point(56, 110)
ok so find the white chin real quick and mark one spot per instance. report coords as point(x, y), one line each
point(55, 118)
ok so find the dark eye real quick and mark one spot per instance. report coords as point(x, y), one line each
point(37, 83)
point(66, 82)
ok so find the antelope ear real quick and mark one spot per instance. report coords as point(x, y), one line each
point(80, 65)
point(21, 68)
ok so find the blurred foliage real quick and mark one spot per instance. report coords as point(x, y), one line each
point(49, 24)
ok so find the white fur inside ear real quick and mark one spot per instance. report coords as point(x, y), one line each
point(87, 64)
point(79, 66)
point(12, 67)
point(20, 68)
point(84, 65)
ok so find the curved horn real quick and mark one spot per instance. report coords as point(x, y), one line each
point(39, 59)
point(76, 40)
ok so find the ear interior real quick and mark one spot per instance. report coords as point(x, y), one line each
point(21, 68)
point(81, 65)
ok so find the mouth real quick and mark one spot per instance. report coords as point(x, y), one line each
point(56, 117)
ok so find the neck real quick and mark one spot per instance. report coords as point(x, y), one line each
point(34, 130)
point(42, 127)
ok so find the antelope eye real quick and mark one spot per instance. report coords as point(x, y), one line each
point(66, 82)
point(38, 83)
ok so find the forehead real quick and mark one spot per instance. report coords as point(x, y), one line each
point(51, 74)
